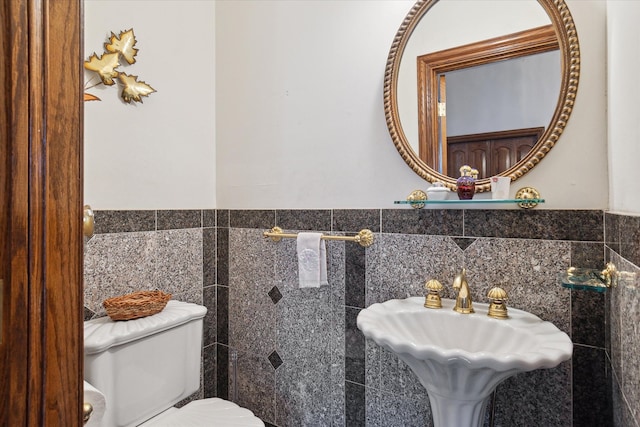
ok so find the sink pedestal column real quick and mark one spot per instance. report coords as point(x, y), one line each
point(450, 412)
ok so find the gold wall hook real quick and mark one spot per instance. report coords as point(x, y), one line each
point(88, 222)
point(87, 410)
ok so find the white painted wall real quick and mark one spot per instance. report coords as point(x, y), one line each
point(300, 119)
point(159, 154)
point(623, 35)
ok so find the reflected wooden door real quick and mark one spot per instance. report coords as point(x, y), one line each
point(41, 213)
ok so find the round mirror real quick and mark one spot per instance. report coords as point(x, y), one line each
point(486, 83)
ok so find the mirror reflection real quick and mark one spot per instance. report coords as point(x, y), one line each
point(456, 97)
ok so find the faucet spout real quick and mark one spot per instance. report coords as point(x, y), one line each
point(464, 304)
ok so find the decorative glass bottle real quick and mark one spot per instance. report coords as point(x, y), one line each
point(466, 184)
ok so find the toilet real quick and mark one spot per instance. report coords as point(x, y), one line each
point(145, 366)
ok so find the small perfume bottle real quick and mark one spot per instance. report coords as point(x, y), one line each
point(466, 184)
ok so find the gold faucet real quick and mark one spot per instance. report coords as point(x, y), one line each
point(464, 304)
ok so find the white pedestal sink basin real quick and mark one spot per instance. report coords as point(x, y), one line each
point(461, 358)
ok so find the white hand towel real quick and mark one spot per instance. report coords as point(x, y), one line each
point(312, 260)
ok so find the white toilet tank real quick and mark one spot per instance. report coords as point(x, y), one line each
point(146, 365)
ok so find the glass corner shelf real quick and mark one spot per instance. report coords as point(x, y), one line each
point(419, 204)
point(584, 279)
point(597, 280)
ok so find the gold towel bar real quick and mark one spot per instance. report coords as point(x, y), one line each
point(364, 237)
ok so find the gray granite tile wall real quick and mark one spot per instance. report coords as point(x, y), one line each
point(622, 334)
point(301, 359)
point(313, 334)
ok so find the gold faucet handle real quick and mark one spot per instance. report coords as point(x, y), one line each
point(497, 303)
point(432, 299)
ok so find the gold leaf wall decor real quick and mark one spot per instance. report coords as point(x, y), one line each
point(123, 44)
point(106, 67)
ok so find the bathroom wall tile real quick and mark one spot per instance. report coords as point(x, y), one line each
point(209, 327)
point(614, 327)
point(588, 318)
point(612, 230)
point(338, 394)
point(303, 390)
point(222, 218)
point(354, 220)
point(583, 225)
point(209, 218)
point(222, 256)
point(372, 407)
point(222, 314)
point(405, 410)
point(88, 313)
point(305, 220)
point(536, 398)
point(253, 259)
point(124, 221)
point(622, 415)
point(336, 273)
point(423, 221)
point(118, 264)
point(222, 371)
point(252, 325)
point(527, 270)
point(463, 242)
point(398, 265)
point(252, 314)
point(630, 341)
point(355, 405)
point(255, 385)
point(591, 398)
point(354, 348)
point(630, 239)
point(355, 275)
point(261, 219)
point(209, 362)
point(304, 324)
point(587, 255)
point(396, 376)
point(286, 264)
point(372, 364)
point(208, 256)
point(178, 219)
point(179, 260)
point(192, 295)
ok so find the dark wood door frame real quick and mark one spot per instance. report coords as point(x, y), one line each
point(41, 219)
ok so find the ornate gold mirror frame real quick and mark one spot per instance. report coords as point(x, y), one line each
point(570, 68)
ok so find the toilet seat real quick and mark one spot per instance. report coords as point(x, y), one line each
point(206, 413)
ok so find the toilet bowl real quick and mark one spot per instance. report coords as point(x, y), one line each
point(145, 366)
point(206, 412)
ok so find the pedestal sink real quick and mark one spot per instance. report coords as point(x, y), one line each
point(461, 358)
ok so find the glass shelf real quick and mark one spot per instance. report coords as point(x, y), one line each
point(467, 202)
point(588, 279)
point(584, 279)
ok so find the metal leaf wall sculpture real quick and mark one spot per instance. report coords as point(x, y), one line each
point(106, 67)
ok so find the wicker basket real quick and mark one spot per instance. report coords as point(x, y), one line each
point(135, 305)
